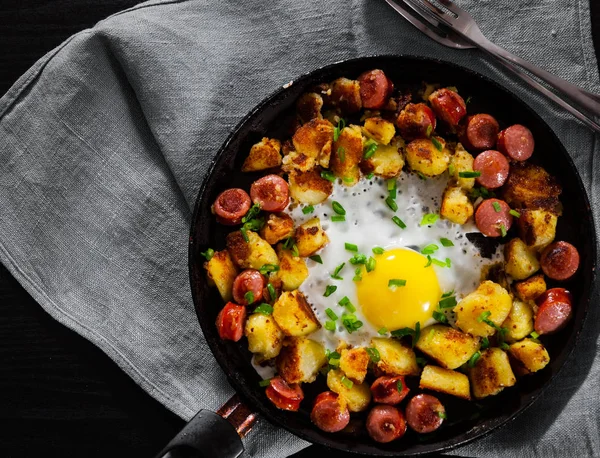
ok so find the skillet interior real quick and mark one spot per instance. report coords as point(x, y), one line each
point(272, 117)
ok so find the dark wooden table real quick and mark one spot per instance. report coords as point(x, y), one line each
point(59, 394)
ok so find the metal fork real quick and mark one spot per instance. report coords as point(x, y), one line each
point(462, 23)
point(443, 35)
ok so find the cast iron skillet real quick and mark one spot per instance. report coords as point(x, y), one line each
point(466, 421)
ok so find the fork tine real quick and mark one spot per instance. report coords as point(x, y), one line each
point(451, 6)
point(424, 7)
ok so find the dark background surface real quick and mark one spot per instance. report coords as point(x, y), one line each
point(59, 394)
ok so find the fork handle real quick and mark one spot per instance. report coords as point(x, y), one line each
point(585, 99)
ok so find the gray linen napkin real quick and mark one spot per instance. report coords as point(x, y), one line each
point(105, 141)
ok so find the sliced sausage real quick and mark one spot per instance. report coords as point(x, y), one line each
point(230, 322)
point(375, 89)
point(555, 310)
point(516, 142)
point(416, 121)
point(493, 167)
point(328, 413)
point(490, 221)
point(448, 106)
point(479, 132)
point(560, 260)
point(250, 280)
point(283, 395)
point(385, 423)
point(231, 205)
point(271, 192)
point(425, 413)
point(385, 389)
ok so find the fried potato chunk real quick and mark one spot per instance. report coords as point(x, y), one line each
point(314, 139)
point(537, 228)
point(356, 395)
point(395, 357)
point(253, 254)
point(263, 155)
point(387, 161)
point(222, 271)
point(310, 237)
point(445, 381)
point(292, 269)
point(354, 363)
point(448, 346)
point(489, 302)
point(520, 260)
point(294, 315)
point(347, 154)
point(528, 356)
point(422, 156)
point(530, 186)
point(264, 336)
point(456, 206)
point(300, 359)
point(519, 321)
point(491, 373)
point(309, 187)
point(530, 289)
point(461, 161)
point(309, 106)
point(278, 226)
point(379, 129)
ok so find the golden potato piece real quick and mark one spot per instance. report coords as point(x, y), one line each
point(222, 271)
point(347, 154)
point(295, 161)
point(314, 139)
point(422, 156)
point(379, 129)
point(264, 336)
point(292, 269)
point(345, 94)
point(530, 289)
point(537, 228)
point(490, 301)
point(309, 187)
point(354, 363)
point(520, 260)
point(294, 315)
point(456, 206)
point(386, 162)
point(530, 186)
point(252, 254)
point(278, 226)
point(300, 359)
point(445, 381)
point(396, 358)
point(263, 155)
point(491, 373)
point(519, 321)
point(310, 237)
point(448, 346)
point(528, 356)
point(309, 106)
point(356, 395)
point(461, 161)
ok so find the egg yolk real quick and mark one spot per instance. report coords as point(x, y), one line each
point(395, 307)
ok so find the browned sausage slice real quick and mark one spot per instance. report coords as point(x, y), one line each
point(425, 413)
point(271, 192)
point(555, 310)
point(479, 132)
point(374, 89)
point(493, 167)
point(492, 219)
point(385, 423)
point(385, 389)
point(416, 121)
point(516, 142)
point(560, 260)
point(448, 105)
point(328, 413)
point(231, 205)
point(249, 280)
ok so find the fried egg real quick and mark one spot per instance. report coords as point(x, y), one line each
point(385, 270)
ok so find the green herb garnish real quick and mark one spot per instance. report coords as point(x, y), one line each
point(337, 207)
point(430, 249)
point(331, 314)
point(350, 246)
point(370, 148)
point(398, 222)
point(469, 174)
point(437, 144)
point(330, 325)
point(329, 290)
point(391, 203)
point(345, 302)
point(266, 268)
point(373, 354)
point(473, 360)
point(338, 218)
point(371, 264)
point(429, 219)
point(377, 250)
point(338, 129)
point(337, 271)
point(208, 254)
point(515, 213)
point(341, 153)
point(265, 309)
point(316, 258)
point(264, 383)
point(395, 282)
point(439, 316)
point(446, 242)
point(249, 297)
point(497, 207)
point(328, 175)
point(272, 292)
point(308, 209)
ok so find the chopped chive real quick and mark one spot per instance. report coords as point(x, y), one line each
point(502, 230)
point(287, 244)
point(515, 213)
point(264, 383)
point(347, 382)
point(474, 359)
point(439, 263)
point(341, 153)
point(430, 249)
point(382, 331)
point(485, 343)
point(392, 188)
point(447, 302)
point(338, 218)
point(272, 291)
point(338, 129)
point(265, 309)
point(370, 148)
point(421, 176)
point(308, 209)
point(252, 213)
point(358, 259)
point(348, 180)
point(371, 264)
point(429, 219)
point(295, 251)
point(400, 386)
point(316, 258)
point(429, 261)
point(337, 271)
point(421, 362)
point(468, 100)
point(350, 246)
point(439, 316)
point(417, 333)
point(391, 203)
point(497, 207)
point(351, 323)
point(446, 242)
point(484, 316)
point(448, 294)
point(534, 335)
point(329, 290)
point(469, 174)
point(328, 175)
point(451, 170)
point(345, 302)
point(249, 296)
point(442, 415)
point(399, 222)
point(395, 282)
point(332, 354)
point(370, 175)
point(337, 207)
point(430, 335)
point(437, 144)
point(266, 268)
point(373, 354)
point(429, 130)
point(331, 314)
point(448, 263)
point(208, 254)
point(504, 346)
point(357, 274)
point(377, 250)
point(334, 362)
point(403, 332)
point(330, 325)
point(244, 234)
